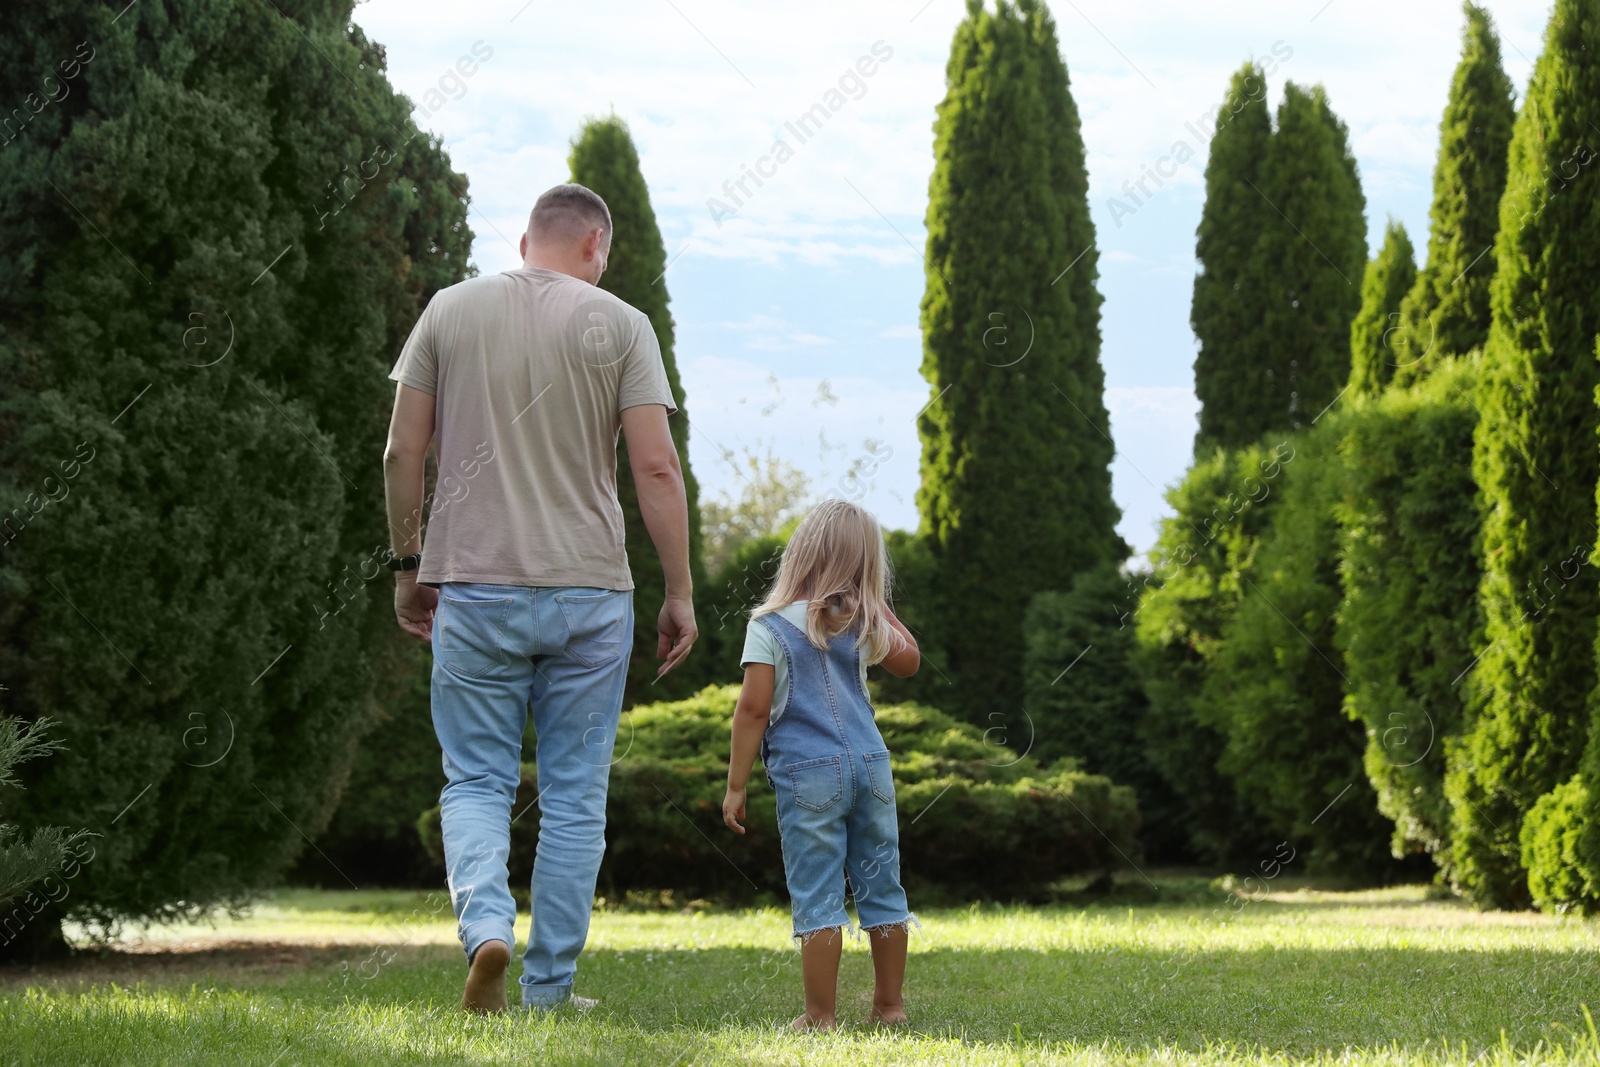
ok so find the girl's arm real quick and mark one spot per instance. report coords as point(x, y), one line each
point(749, 726)
point(904, 657)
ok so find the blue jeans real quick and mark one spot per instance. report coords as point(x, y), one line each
point(837, 822)
point(497, 649)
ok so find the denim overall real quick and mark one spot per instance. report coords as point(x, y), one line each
point(829, 770)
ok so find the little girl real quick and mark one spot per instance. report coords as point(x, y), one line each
point(804, 706)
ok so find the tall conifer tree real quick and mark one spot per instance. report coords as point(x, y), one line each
point(604, 159)
point(1309, 259)
point(1536, 465)
point(1229, 368)
point(1016, 490)
point(217, 239)
point(1387, 280)
point(1447, 310)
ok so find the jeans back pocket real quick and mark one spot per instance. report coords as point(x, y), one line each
point(470, 633)
point(596, 625)
point(818, 783)
point(881, 775)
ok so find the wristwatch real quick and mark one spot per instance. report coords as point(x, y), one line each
point(404, 563)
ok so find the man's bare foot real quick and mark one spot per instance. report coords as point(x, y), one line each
point(888, 1016)
point(808, 1022)
point(486, 979)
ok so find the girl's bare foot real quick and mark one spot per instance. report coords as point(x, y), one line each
point(486, 979)
point(808, 1022)
point(888, 1016)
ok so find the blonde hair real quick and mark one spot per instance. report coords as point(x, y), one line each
point(836, 561)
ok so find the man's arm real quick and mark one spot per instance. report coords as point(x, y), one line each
point(658, 478)
point(404, 472)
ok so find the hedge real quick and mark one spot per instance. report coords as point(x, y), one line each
point(976, 818)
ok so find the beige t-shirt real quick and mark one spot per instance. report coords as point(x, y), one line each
point(530, 371)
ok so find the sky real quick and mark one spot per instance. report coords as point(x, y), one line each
point(796, 301)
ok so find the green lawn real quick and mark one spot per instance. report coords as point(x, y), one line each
point(1375, 977)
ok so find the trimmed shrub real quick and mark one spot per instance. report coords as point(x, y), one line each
point(398, 771)
point(975, 817)
point(1275, 687)
point(1085, 699)
point(738, 586)
point(24, 861)
point(1409, 626)
point(1561, 848)
point(1199, 565)
point(216, 245)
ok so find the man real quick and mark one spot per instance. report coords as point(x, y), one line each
point(522, 380)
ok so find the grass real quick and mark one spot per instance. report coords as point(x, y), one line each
point(1375, 977)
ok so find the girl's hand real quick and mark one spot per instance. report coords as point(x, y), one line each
point(733, 809)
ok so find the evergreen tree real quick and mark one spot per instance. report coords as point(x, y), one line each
point(1085, 700)
point(1447, 310)
point(216, 242)
point(1410, 566)
point(1229, 296)
point(1206, 551)
point(1275, 686)
point(1536, 464)
point(1387, 280)
point(51, 850)
point(1309, 259)
point(604, 159)
point(1016, 488)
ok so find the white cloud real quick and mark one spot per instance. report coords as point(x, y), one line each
point(707, 85)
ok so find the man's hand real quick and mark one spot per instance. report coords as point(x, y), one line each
point(677, 631)
point(733, 809)
point(413, 606)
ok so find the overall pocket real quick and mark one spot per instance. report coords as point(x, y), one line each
point(880, 775)
point(596, 625)
point(818, 783)
point(470, 633)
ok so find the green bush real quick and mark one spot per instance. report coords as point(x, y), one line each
point(975, 817)
point(916, 602)
point(1199, 566)
point(1561, 849)
point(24, 861)
point(1085, 699)
point(216, 246)
point(1409, 626)
point(398, 771)
point(1275, 688)
point(738, 586)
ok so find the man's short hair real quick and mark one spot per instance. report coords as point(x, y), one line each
point(567, 213)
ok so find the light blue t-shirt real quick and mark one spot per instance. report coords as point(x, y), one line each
point(761, 647)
